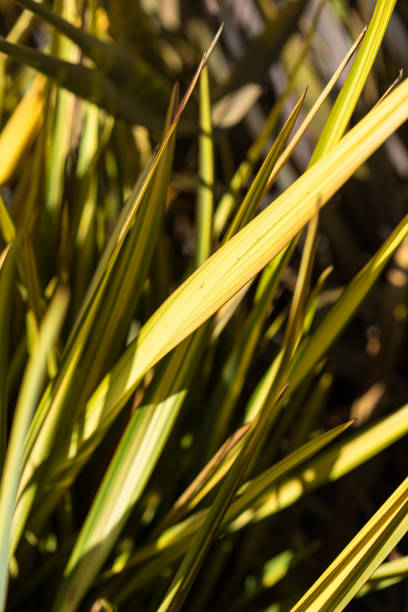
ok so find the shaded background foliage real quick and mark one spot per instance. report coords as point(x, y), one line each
point(366, 374)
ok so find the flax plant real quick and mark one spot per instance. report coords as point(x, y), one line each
point(162, 407)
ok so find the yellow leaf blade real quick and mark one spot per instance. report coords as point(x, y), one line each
point(241, 258)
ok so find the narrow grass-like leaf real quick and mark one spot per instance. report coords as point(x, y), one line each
point(62, 121)
point(128, 472)
point(386, 575)
point(20, 27)
point(179, 538)
point(44, 428)
point(35, 298)
point(268, 382)
point(105, 328)
point(312, 113)
point(150, 427)
point(352, 88)
point(128, 214)
point(254, 194)
point(333, 463)
point(296, 312)
point(7, 228)
point(239, 360)
point(234, 264)
point(252, 489)
point(281, 366)
point(345, 576)
point(251, 446)
point(312, 302)
point(196, 490)
point(330, 465)
point(205, 197)
point(312, 407)
point(316, 346)
point(253, 198)
point(241, 176)
point(91, 537)
point(234, 372)
point(345, 307)
point(26, 405)
point(127, 278)
point(258, 186)
point(102, 53)
point(84, 228)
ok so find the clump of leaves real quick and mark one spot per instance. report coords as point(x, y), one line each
point(158, 410)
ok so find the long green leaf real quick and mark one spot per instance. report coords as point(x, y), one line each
point(249, 493)
point(386, 575)
point(113, 313)
point(233, 375)
point(128, 473)
point(345, 576)
point(253, 199)
point(62, 120)
point(7, 228)
point(258, 187)
point(350, 92)
point(205, 196)
point(234, 264)
point(50, 414)
point(251, 446)
point(240, 177)
point(271, 497)
point(26, 404)
point(316, 347)
point(345, 307)
point(145, 437)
